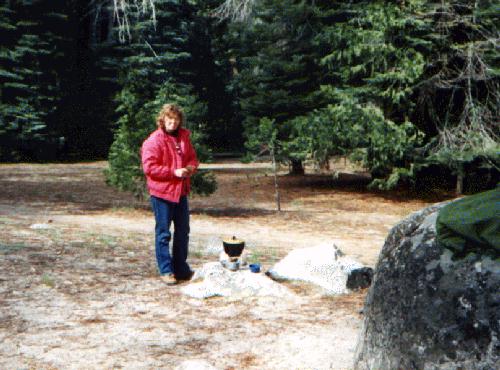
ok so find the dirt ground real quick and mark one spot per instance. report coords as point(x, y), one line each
point(79, 288)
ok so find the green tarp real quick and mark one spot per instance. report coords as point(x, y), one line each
point(471, 224)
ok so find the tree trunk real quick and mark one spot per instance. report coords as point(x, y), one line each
point(460, 180)
point(276, 187)
point(297, 167)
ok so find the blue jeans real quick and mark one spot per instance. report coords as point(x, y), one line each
point(165, 213)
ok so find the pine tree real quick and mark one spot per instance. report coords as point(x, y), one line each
point(212, 47)
point(158, 68)
point(30, 80)
point(413, 68)
point(278, 75)
point(459, 99)
point(373, 62)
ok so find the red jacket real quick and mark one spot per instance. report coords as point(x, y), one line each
point(160, 158)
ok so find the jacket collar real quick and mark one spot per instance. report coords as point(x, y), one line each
point(182, 133)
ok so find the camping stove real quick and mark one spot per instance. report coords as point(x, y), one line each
point(233, 263)
point(232, 258)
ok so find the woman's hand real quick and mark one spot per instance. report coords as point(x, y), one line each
point(182, 172)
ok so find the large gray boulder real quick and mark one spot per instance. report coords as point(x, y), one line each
point(427, 309)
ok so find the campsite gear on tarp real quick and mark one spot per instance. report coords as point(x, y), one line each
point(233, 247)
point(471, 224)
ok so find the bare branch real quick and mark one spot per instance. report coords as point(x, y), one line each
point(235, 10)
point(476, 128)
point(122, 10)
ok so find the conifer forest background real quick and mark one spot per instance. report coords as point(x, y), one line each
point(408, 88)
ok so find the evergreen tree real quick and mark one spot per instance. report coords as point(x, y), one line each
point(373, 63)
point(53, 102)
point(158, 68)
point(402, 61)
point(278, 75)
point(459, 99)
point(30, 88)
point(211, 52)
point(86, 112)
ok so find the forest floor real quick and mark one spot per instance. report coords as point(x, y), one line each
point(79, 287)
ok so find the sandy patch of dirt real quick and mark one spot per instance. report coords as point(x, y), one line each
point(82, 291)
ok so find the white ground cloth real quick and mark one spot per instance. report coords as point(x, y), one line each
point(219, 281)
point(324, 265)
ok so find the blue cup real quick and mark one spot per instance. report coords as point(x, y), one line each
point(254, 267)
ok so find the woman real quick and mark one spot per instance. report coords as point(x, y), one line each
point(168, 161)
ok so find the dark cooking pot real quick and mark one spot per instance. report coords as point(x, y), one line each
point(233, 247)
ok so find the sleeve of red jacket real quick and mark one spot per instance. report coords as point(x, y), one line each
point(192, 160)
point(151, 162)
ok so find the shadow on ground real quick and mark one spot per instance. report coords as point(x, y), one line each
point(232, 212)
point(81, 188)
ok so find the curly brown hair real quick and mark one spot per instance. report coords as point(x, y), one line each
point(169, 110)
